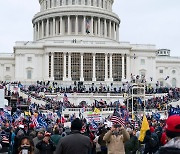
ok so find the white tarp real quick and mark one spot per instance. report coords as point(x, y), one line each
point(1, 98)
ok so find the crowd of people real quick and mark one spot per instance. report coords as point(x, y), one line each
point(162, 137)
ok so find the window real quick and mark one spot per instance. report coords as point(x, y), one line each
point(58, 65)
point(106, 4)
point(116, 67)
point(75, 66)
point(73, 2)
point(80, 22)
point(100, 66)
point(46, 4)
point(79, 2)
point(66, 2)
point(97, 3)
point(142, 61)
point(92, 2)
point(173, 71)
point(50, 3)
point(55, 3)
point(86, 2)
point(60, 3)
point(73, 20)
point(161, 71)
point(7, 69)
point(29, 74)
point(161, 83)
point(102, 3)
point(173, 82)
point(29, 59)
point(87, 66)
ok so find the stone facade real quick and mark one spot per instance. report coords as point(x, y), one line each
point(78, 40)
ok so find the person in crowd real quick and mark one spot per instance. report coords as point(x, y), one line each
point(115, 139)
point(132, 145)
point(173, 136)
point(75, 142)
point(37, 139)
point(56, 137)
point(26, 146)
point(46, 146)
point(151, 142)
point(101, 142)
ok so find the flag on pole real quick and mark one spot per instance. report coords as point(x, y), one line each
point(144, 128)
point(96, 110)
point(117, 119)
point(65, 98)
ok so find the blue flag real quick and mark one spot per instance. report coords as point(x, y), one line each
point(42, 122)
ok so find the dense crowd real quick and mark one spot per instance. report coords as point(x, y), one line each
point(88, 138)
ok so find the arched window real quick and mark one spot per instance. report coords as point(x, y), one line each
point(173, 82)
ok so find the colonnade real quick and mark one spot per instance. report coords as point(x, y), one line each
point(76, 25)
point(67, 68)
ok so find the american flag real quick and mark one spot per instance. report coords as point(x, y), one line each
point(34, 121)
point(117, 119)
point(65, 98)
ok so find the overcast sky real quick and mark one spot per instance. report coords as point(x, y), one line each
point(142, 22)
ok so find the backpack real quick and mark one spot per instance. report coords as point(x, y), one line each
point(153, 142)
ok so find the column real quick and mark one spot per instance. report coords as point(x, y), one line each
point(114, 25)
point(42, 33)
point(47, 28)
point(61, 26)
point(46, 66)
point(76, 26)
point(82, 73)
point(54, 26)
point(38, 33)
point(94, 67)
point(128, 73)
point(122, 67)
point(109, 28)
point(69, 26)
point(34, 28)
point(105, 28)
point(52, 66)
point(99, 27)
point(64, 66)
point(110, 69)
point(106, 66)
point(92, 26)
point(117, 32)
point(69, 66)
point(84, 25)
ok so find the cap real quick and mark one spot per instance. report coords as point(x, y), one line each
point(47, 134)
point(173, 123)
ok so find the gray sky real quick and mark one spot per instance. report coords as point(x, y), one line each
point(142, 22)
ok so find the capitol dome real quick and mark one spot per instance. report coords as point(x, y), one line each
point(87, 19)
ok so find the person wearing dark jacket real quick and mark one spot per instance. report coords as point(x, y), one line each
point(75, 143)
point(46, 146)
point(151, 142)
point(132, 145)
point(173, 136)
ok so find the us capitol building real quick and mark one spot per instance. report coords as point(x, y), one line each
point(78, 40)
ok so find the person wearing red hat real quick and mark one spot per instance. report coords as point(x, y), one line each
point(173, 136)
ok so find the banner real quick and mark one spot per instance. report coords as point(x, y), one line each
point(174, 111)
point(94, 117)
